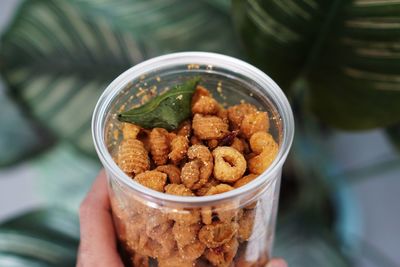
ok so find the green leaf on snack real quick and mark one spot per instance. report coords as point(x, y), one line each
point(165, 111)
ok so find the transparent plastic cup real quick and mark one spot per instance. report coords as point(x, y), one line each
point(234, 228)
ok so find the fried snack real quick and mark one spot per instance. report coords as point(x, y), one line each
point(159, 145)
point(185, 234)
point(218, 189)
point(238, 145)
point(229, 164)
point(178, 189)
point(222, 256)
point(190, 174)
point(186, 217)
point(217, 233)
point(236, 114)
point(152, 179)
point(194, 140)
point(206, 215)
point(175, 261)
point(189, 246)
point(205, 105)
point(130, 130)
point(254, 122)
point(132, 157)
point(213, 143)
point(201, 91)
point(195, 173)
point(264, 145)
point(223, 114)
point(185, 129)
point(246, 224)
point(211, 182)
point(179, 147)
point(157, 224)
point(223, 213)
point(245, 180)
point(159, 247)
point(173, 173)
point(208, 127)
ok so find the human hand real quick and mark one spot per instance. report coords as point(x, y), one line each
point(98, 245)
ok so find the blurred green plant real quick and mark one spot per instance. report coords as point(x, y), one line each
point(347, 51)
point(58, 56)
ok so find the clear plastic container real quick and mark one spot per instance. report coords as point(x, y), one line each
point(234, 228)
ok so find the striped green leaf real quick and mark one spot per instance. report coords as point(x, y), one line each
point(20, 138)
point(44, 237)
point(348, 51)
point(58, 56)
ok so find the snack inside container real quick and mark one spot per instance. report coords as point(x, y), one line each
point(234, 228)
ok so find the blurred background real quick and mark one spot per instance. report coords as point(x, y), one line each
point(337, 61)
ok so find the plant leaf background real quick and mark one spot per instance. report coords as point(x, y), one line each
point(338, 62)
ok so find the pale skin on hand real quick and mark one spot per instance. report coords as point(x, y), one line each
point(98, 246)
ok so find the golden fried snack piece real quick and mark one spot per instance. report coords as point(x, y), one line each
point(185, 234)
point(190, 173)
point(178, 189)
point(223, 114)
point(245, 180)
point(162, 246)
point(173, 173)
point(200, 92)
point(213, 143)
point(236, 114)
point(254, 122)
point(185, 129)
point(192, 251)
point(157, 223)
point(208, 127)
point(132, 157)
point(222, 256)
point(179, 148)
point(152, 179)
point(185, 217)
point(218, 233)
point(238, 145)
point(246, 224)
point(219, 189)
point(205, 105)
point(203, 191)
point(175, 260)
point(195, 173)
point(159, 145)
point(190, 248)
point(140, 260)
point(130, 130)
point(224, 212)
point(229, 164)
point(264, 145)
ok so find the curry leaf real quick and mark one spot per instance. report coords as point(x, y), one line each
point(167, 110)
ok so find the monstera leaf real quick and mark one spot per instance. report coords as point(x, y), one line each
point(58, 56)
point(347, 51)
